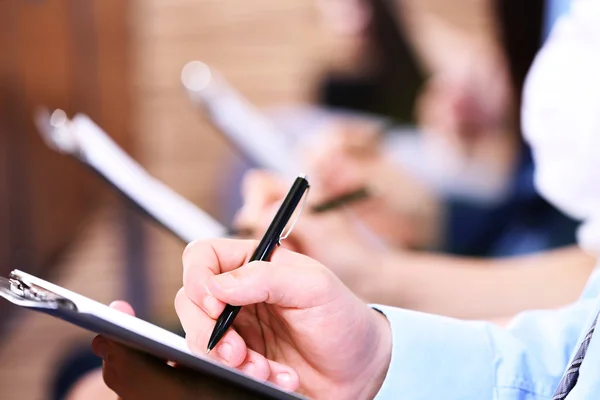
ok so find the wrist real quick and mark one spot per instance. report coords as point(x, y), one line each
point(380, 363)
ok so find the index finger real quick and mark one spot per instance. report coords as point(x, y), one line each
point(206, 258)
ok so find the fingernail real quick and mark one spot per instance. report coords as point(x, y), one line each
point(211, 304)
point(283, 379)
point(225, 351)
point(101, 348)
point(249, 368)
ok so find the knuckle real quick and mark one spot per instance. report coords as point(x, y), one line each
point(180, 297)
point(190, 250)
point(263, 370)
point(193, 289)
point(183, 308)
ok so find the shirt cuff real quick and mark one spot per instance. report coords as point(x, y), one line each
point(436, 357)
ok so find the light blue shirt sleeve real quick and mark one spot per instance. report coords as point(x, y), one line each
point(554, 9)
point(435, 357)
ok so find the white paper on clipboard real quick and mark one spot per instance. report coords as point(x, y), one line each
point(34, 293)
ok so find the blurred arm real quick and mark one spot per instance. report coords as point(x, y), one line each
point(476, 288)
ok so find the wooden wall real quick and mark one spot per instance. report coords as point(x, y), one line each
point(69, 54)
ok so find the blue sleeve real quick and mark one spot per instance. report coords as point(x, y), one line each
point(436, 357)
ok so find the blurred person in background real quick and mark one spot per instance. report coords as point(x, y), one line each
point(465, 186)
point(374, 69)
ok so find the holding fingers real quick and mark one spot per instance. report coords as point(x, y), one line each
point(296, 316)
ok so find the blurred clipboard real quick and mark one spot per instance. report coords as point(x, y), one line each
point(81, 138)
point(250, 132)
point(30, 292)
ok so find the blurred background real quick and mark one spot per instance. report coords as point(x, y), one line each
point(120, 63)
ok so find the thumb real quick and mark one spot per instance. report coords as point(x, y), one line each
point(303, 284)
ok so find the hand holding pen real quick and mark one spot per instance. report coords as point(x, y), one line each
point(270, 240)
point(299, 327)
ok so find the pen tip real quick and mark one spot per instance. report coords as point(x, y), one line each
point(207, 351)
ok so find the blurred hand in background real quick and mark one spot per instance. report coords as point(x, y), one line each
point(402, 210)
point(335, 238)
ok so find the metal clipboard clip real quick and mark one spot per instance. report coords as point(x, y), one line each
point(18, 290)
point(58, 132)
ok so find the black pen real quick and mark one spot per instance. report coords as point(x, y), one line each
point(263, 252)
point(347, 198)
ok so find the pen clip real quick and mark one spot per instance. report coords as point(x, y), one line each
point(293, 224)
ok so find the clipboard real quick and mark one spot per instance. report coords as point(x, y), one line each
point(84, 140)
point(250, 132)
point(33, 293)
